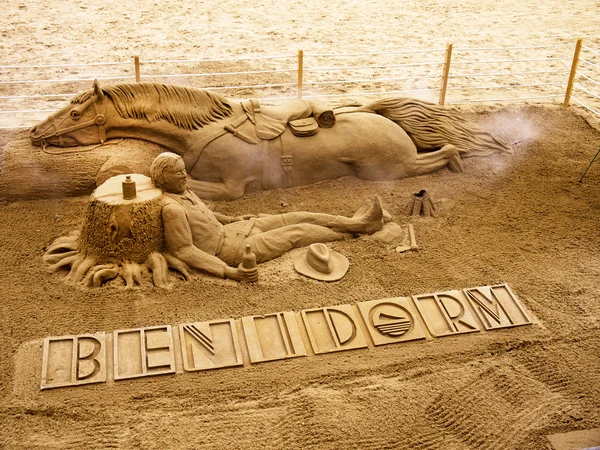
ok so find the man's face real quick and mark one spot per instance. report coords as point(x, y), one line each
point(175, 177)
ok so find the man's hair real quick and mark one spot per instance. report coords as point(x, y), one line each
point(160, 163)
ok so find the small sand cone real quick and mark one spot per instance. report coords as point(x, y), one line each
point(420, 204)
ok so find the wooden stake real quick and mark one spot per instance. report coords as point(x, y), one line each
point(413, 240)
point(136, 62)
point(444, 85)
point(300, 71)
point(573, 73)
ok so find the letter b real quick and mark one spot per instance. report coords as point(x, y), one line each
point(74, 360)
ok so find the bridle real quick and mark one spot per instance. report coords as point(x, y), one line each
point(99, 120)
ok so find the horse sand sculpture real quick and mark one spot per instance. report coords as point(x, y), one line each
point(228, 149)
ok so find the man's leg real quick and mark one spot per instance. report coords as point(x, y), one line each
point(367, 220)
point(276, 242)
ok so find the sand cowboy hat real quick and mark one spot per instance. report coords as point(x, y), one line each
point(321, 263)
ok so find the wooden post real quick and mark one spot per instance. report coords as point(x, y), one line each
point(300, 71)
point(444, 85)
point(136, 62)
point(573, 73)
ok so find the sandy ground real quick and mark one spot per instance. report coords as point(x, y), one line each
point(540, 36)
point(522, 219)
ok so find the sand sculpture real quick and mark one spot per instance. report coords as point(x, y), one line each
point(120, 237)
point(420, 204)
point(230, 148)
point(134, 223)
point(321, 263)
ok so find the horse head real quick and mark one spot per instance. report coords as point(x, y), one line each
point(81, 122)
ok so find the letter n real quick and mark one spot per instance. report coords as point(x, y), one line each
point(210, 345)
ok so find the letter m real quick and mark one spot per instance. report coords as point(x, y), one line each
point(489, 309)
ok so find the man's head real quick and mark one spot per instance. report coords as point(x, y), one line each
point(168, 173)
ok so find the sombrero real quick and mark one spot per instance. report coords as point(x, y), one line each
point(321, 263)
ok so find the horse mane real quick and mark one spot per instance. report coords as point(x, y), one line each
point(185, 107)
point(432, 126)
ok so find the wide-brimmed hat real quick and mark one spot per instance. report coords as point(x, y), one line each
point(321, 263)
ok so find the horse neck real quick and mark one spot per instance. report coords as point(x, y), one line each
point(161, 132)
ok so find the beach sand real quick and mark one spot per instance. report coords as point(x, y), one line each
point(523, 219)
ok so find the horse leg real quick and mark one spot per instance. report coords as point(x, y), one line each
point(389, 153)
point(226, 168)
point(429, 162)
point(226, 190)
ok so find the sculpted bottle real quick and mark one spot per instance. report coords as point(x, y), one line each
point(248, 261)
point(129, 192)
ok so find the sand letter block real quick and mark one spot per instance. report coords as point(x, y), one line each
point(272, 337)
point(210, 345)
point(446, 313)
point(142, 352)
point(391, 320)
point(333, 329)
point(497, 307)
point(73, 360)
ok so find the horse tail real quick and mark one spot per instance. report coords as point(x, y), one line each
point(432, 126)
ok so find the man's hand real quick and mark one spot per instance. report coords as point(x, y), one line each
point(242, 274)
point(248, 275)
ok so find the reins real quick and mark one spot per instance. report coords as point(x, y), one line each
point(79, 150)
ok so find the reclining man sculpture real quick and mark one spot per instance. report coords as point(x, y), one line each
point(215, 243)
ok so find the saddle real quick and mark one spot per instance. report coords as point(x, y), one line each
point(303, 117)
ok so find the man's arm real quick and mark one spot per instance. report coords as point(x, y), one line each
point(178, 237)
point(225, 219)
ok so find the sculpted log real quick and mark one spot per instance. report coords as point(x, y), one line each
point(119, 238)
point(230, 148)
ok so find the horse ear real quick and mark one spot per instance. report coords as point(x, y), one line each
point(98, 92)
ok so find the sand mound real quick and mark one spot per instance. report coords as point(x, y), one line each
point(523, 219)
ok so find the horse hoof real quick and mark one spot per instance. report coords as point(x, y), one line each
point(455, 164)
point(372, 218)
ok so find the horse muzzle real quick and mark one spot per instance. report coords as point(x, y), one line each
point(50, 138)
point(35, 137)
